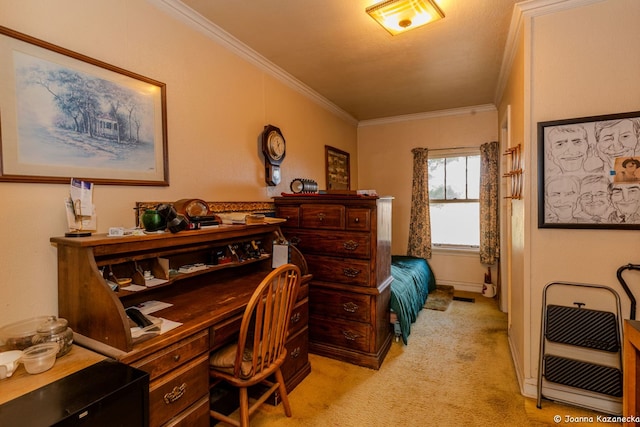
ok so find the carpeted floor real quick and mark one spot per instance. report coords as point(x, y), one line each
point(456, 370)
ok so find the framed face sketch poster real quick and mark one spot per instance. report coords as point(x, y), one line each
point(589, 172)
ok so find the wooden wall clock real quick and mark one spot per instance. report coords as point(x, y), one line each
point(274, 150)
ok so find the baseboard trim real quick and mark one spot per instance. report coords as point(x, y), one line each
point(462, 286)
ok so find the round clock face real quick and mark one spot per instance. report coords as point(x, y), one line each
point(275, 145)
point(297, 186)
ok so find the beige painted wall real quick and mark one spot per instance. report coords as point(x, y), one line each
point(579, 62)
point(217, 106)
point(386, 165)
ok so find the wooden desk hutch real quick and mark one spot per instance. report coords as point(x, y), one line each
point(208, 303)
point(346, 241)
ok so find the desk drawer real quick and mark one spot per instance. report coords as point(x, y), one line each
point(224, 332)
point(171, 394)
point(342, 333)
point(195, 416)
point(175, 355)
point(299, 316)
point(346, 305)
point(332, 243)
point(342, 270)
point(297, 353)
point(329, 217)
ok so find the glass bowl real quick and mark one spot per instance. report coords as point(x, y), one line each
point(40, 357)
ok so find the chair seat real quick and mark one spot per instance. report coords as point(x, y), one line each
point(224, 359)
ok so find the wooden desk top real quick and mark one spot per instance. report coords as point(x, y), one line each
point(21, 382)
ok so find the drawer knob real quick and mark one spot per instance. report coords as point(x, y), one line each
point(295, 353)
point(321, 217)
point(351, 336)
point(350, 307)
point(175, 394)
point(296, 317)
point(356, 220)
point(176, 357)
point(350, 245)
point(350, 272)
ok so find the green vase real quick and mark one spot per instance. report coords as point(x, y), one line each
point(152, 221)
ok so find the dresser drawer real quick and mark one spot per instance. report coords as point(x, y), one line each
point(342, 333)
point(330, 217)
point(299, 316)
point(291, 214)
point(333, 243)
point(342, 270)
point(175, 355)
point(171, 394)
point(297, 353)
point(345, 305)
point(358, 219)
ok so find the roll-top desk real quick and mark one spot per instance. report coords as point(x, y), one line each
point(346, 242)
point(208, 302)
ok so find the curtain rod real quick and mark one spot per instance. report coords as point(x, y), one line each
point(452, 148)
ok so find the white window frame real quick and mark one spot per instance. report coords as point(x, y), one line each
point(441, 154)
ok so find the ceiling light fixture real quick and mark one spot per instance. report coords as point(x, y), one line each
point(398, 16)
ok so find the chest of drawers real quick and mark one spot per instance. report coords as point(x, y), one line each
point(346, 242)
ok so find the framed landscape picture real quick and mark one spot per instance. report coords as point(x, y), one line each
point(589, 172)
point(66, 115)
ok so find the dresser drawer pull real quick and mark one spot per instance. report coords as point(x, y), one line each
point(356, 220)
point(351, 307)
point(321, 216)
point(296, 317)
point(176, 357)
point(351, 336)
point(295, 353)
point(295, 240)
point(350, 272)
point(350, 245)
point(175, 394)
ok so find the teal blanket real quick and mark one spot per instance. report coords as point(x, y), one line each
point(412, 282)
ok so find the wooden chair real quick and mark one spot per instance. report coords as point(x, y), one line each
point(260, 350)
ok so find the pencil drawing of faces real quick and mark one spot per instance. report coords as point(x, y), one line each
point(626, 198)
point(594, 196)
point(616, 138)
point(562, 192)
point(568, 147)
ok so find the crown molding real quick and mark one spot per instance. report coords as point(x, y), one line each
point(188, 16)
point(429, 115)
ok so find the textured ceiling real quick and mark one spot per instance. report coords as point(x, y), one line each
point(337, 50)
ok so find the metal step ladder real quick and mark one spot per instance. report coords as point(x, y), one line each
point(581, 347)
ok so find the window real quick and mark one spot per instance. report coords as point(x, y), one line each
point(454, 205)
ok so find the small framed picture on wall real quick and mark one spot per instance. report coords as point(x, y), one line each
point(337, 169)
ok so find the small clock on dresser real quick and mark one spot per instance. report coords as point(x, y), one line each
point(274, 150)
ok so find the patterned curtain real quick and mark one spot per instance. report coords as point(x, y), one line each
point(489, 203)
point(420, 224)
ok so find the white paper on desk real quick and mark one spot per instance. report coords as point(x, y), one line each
point(154, 282)
point(152, 306)
point(81, 193)
point(134, 288)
